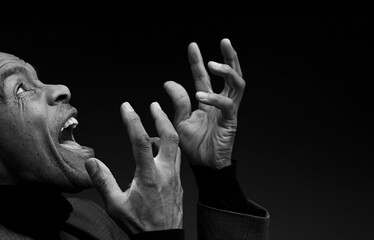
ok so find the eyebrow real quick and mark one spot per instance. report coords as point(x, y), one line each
point(10, 71)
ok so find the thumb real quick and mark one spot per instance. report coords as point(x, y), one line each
point(102, 179)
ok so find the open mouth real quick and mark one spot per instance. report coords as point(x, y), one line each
point(66, 137)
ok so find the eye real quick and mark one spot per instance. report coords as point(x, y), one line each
point(20, 89)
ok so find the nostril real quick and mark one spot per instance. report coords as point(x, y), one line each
point(62, 98)
point(57, 94)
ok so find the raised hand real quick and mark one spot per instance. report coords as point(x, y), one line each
point(154, 198)
point(207, 134)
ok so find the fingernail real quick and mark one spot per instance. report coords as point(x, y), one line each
point(215, 65)
point(157, 105)
point(91, 166)
point(127, 106)
point(201, 95)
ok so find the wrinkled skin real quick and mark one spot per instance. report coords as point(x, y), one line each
point(154, 199)
point(32, 152)
point(207, 134)
point(31, 116)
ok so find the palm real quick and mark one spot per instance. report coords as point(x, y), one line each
point(207, 134)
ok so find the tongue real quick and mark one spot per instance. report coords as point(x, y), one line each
point(71, 145)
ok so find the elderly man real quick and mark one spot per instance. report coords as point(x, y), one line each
point(40, 159)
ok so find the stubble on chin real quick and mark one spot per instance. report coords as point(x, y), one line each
point(77, 182)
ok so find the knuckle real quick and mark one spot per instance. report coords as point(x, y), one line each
point(134, 118)
point(227, 69)
point(173, 138)
point(241, 83)
point(230, 103)
point(200, 77)
point(170, 152)
point(231, 57)
point(101, 183)
point(234, 55)
point(230, 107)
point(142, 141)
point(229, 72)
point(162, 115)
point(214, 98)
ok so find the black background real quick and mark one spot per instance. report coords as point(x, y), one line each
point(305, 125)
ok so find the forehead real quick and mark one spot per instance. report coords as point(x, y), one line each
point(8, 61)
point(5, 58)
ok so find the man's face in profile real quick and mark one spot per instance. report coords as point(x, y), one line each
point(36, 131)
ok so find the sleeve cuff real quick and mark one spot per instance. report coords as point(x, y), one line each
point(171, 234)
point(220, 189)
point(220, 224)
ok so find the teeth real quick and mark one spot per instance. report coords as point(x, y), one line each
point(70, 122)
point(75, 121)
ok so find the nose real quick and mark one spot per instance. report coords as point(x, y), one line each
point(58, 94)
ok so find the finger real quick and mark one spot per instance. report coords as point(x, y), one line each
point(178, 163)
point(180, 99)
point(102, 179)
point(232, 78)
point(168, 145)
point(199, 73)
point(225, 104)
point(141, 142)
point(230, 56)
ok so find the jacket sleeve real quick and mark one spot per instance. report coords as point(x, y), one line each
point(171, 234)
point(223, 210)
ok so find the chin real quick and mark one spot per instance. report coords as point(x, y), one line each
point(77, 181)
point(76, 189)
point(75, 185)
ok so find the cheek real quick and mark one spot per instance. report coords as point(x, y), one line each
point(25, 141)
point(17, 140)
point(23, 149)
point(10, 129)
point(23, 130)
point(17, 150)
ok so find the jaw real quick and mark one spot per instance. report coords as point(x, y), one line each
point(72, 164)
point(71, 157)
point(61, 150)
point(75, 158)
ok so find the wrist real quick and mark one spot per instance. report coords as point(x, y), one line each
point(214, 162)
point(220, 189)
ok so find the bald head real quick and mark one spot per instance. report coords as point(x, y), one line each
point(6, 57)
point(6, 60)
point(33, 148)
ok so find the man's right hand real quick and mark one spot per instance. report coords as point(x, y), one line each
point(154, 198)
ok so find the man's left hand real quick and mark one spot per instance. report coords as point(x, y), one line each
point(207, 134)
